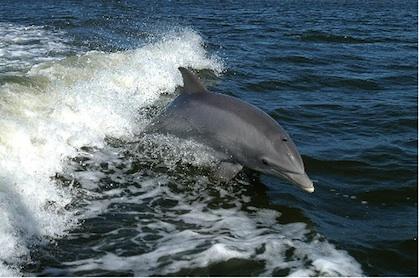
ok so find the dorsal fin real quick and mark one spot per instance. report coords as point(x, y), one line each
point(192, 84)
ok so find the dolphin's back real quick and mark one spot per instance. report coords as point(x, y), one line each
point(221, 121)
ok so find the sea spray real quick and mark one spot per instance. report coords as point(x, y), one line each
point(60, 170)
point(76, 101)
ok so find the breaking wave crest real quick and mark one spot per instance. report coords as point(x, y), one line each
point(56, 108)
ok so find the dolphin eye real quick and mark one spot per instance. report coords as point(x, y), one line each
point(284, 139)
point(265, 162)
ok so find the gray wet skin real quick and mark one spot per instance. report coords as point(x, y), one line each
point(241, 134)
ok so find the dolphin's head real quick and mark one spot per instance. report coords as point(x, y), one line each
point(279, 157)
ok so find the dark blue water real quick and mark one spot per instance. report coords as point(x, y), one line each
point(341, 78)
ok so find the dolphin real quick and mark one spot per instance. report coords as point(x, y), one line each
point(240, 133)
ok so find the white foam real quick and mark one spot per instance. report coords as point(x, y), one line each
point(203, 235)
point(75, 102)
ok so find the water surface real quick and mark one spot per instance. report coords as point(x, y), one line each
point(80, 196)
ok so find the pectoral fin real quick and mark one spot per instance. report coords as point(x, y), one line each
point(227, 170)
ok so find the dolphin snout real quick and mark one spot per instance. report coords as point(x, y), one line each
point(302, 180)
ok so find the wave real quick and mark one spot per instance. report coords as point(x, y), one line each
point(58, 167)
point(77, 101)
point(317, 36)
point(23, 46)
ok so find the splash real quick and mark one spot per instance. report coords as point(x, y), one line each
point(58, 107)
point(57, 168)
point(193, 227)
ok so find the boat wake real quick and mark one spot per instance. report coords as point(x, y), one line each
point(69, 174)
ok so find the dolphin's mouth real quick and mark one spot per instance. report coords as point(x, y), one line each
point(300, 179)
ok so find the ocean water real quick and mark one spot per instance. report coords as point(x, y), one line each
point(82, 194)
